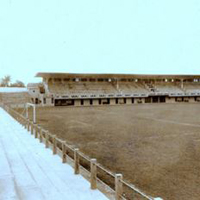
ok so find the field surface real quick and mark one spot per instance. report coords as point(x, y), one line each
point(155, 146)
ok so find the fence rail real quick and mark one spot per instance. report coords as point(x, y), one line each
point(97, 173)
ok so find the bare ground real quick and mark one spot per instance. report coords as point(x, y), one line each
point(155, 146)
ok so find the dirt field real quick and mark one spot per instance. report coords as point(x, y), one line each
point(155, 146)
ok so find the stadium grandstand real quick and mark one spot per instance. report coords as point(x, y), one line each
point(62, 89)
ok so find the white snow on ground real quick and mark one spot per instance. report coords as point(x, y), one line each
point(12, 89)
point(29, 171)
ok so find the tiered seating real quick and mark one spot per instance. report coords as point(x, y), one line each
point(53, 88)
point(132, 88)
point(82, 88)
point(168, 88)
point(192, 87)
point(101, 87)
point(73, 88)
point(123, 88)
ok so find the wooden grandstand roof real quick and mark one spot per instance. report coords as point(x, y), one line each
point(116, 76)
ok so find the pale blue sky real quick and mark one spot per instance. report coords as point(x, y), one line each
point(99, 36)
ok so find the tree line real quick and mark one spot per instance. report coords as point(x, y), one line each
point(6, 82)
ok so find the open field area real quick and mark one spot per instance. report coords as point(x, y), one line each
point(155, 146)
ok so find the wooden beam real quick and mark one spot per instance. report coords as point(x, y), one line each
point(64, 156)
point(31, 128)
point(54, 145)
point(118, 186)
point(40, 137)
point(46, 139)
point(76, 161)
point(93, 175)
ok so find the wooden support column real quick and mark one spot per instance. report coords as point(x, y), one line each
point(31, 128)
point(76, 161)
point(118, 186)
point(28, 126)
point(18, 119)
point(54, 145)
point(41, 137)
point(36, 131)
point(93, 175)
point(64, 156)
point(24, 123)
point(46, 139)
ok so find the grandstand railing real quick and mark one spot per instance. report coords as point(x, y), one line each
point(124, 95)
point(84, 165)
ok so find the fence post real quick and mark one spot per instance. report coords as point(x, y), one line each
point(31, 128)
point(36, 131)
point(26, 121)
point(41, 137)
point(93, 175)
point(18, 117)
point(22, 122)
point(76, 161)
point(46, 139)
point(118, 186)
point(28, 126)
point(64, 156)
point(54, 144)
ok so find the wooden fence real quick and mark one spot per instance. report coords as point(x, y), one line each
point(121, 190)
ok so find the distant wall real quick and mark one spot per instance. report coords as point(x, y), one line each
point(15, 99)
point(12, 89)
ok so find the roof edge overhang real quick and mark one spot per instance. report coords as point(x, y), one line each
point(117, 76)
